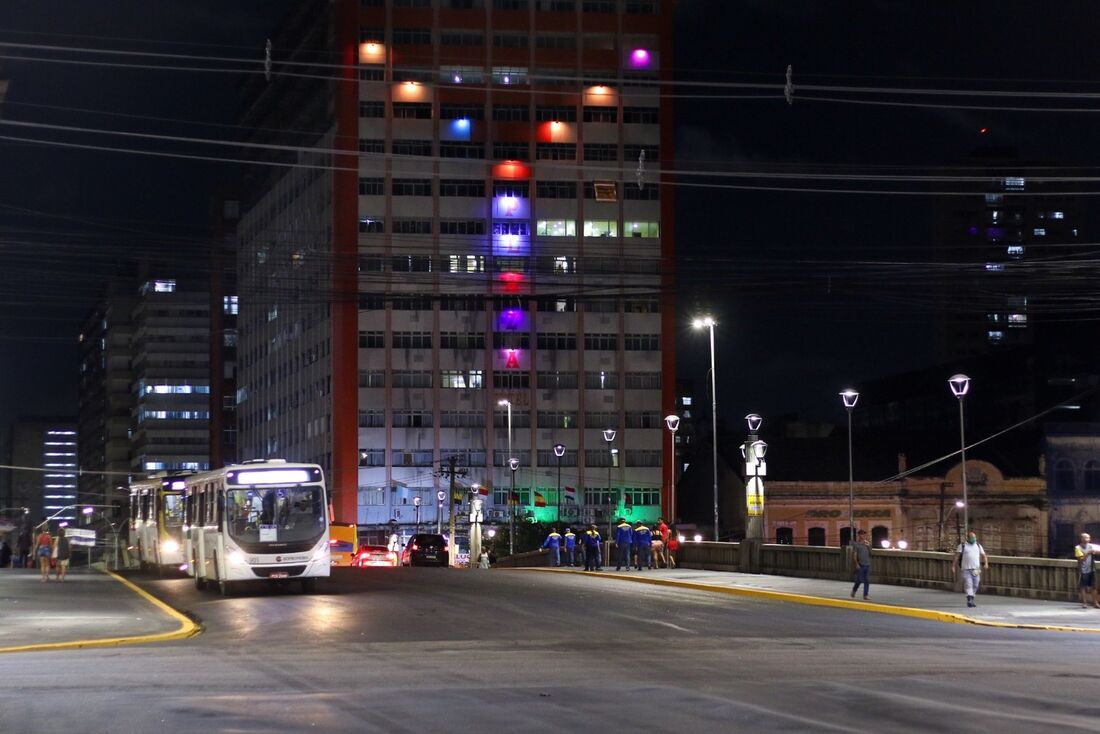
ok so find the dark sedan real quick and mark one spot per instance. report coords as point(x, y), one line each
point(425, 549)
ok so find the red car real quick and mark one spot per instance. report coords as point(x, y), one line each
point(374, 555)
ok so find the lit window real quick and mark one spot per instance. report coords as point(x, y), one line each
point(1017, 319)
point(1014, 183)
point(230, 305)
point(641, 229)
point(996, 336)
point(1057, 215)
point(510, 75)
point(601, 228)
point(1039, 231)
point(1016, 250)
point(556, 228)
point(994, 267)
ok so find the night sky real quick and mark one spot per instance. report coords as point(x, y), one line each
point(775, 267)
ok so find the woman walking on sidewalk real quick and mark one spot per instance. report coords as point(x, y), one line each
point(62, 551)
point(42, 547)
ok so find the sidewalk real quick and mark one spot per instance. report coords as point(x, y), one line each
point(88, 609)
point(905, 600)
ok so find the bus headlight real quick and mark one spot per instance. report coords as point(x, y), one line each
point(236, 558)
point(170, 546)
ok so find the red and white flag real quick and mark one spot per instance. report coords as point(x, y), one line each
point(571, 494)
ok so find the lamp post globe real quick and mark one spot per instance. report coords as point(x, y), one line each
point(559, 451)
point(754, 422)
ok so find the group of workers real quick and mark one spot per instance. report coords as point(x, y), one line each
point(636, 545)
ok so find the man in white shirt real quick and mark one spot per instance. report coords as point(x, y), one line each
point(973, 559)
point(1084, 553)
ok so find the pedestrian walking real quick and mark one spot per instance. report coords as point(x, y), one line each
point(483, 559)
point(624, 539)
point(62, 552)
point(860, 552)
point(23, 548)
point(570, 541)
point(643, 544)
point(1085, 553)
point(5, 554)
point(592, 549)
point(663, 532)
point(553, 542)
point(973, 559)
point(43, 546)
point(672, 547)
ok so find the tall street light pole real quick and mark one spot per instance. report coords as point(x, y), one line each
point(559, 451)
point(673, 422)
point(850, 397)
point(709, 323)
point(511, 496)
point(513, 464)
point(960, 386)
point(609, 436)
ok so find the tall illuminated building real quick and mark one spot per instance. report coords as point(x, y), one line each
point(475, 214)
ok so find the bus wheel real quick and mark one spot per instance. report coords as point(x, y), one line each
point(225, 587)
point(309, 586)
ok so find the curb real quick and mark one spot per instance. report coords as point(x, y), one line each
point(186, 629)
point(822, 601)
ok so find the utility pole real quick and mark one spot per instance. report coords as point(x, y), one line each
point(452, 473)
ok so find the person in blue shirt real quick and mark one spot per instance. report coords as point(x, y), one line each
point(624, 537)
point(592, 549)
point(570, 545)
point(643, 544)
point(553, 542)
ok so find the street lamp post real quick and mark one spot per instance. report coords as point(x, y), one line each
point(850, 397)
point(960, 386)
point(416, 505)
point(753, 451)
point(559, 451)
point(513, 464)
point(673, 422)
point(609, 436)
point(709, 323)
point(511, 497)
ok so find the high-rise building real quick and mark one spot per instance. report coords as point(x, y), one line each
point(44, 467)
point(145, 399)
point(468, 256)
point(105, 400)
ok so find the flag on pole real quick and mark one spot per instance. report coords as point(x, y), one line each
point(540, 500)
point(482, 489)
point(629, 500)
point(513, 498)
point(571, 494)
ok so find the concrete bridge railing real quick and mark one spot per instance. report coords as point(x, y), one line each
point(1034, 578)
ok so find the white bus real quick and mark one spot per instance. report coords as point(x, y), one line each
point(257, 521)
point(156, 522)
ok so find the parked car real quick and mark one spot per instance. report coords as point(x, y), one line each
point(425, 549)
point(374, 555)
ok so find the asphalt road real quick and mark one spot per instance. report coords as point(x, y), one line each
point(427, 650)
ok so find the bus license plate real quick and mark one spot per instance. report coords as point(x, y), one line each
point(279, 574)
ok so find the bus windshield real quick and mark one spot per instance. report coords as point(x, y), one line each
point(275, 514)
point(173, 510)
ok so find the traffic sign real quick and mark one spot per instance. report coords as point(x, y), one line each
point(79, 536)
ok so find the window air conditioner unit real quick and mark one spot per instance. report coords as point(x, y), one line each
point(606, 191)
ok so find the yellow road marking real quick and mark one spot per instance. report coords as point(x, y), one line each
point(822, 601)
point(186, 629)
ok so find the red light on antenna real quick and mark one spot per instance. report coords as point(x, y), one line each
point(983, 131)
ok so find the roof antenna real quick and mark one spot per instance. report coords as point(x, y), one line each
point(267, 60)
point(788, 88)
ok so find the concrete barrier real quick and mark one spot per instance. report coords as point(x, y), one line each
point(524, 560)
point(1033, 578)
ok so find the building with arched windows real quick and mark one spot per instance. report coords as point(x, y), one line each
point(1073, 464)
